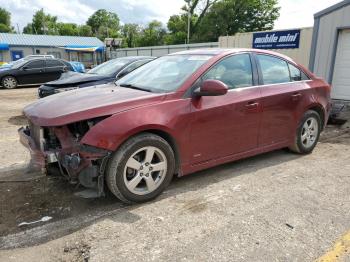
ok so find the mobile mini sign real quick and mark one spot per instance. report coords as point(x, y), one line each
point(277, 40)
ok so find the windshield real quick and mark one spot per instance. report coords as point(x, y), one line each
point(165, 74)
point(110, 67)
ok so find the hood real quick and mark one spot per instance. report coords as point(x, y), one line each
point(87, 103)
point(73, 78)
point(5, 68)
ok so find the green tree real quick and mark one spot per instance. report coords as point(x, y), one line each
point(5, 21)
point(85, 30)
point(104, 23)
point(152, 35)
point(130, 33)
point(213, 18)
point(198, 9)
point(67, 29)
point(227, 17)
point(177, 26)
point(42, 24)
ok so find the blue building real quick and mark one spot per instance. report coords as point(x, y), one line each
point(88, 50)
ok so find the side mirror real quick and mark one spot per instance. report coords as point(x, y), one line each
point(211, 88)
point(25, 68)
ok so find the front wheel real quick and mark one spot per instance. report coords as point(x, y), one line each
point(141, 168)
point(9, 82)
point(308, 133)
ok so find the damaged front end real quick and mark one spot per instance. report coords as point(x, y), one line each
point(60, 148)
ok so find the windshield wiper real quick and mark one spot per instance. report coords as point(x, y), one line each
point(134, 87)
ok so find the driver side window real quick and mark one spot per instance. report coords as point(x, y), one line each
point(37, 64)
point(235, 71)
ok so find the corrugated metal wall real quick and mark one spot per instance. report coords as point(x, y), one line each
point(326, 40)
point(245, 40)
point(159, 50)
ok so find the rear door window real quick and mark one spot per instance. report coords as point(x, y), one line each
point(53, 63)
point(296, 74)
point(273, 69)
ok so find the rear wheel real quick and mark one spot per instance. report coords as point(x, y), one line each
point(9, 82)
point(141, 169)
point(308, 133)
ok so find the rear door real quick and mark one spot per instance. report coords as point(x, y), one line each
point(282, 91)
point(53, 69)
point(229, 124)
point(32, 72)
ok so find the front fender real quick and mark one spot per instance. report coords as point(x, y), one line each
point(172, 117)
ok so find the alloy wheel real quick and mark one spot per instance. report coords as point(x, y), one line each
point(9, 82)
point(145, 170)
point(309, 132)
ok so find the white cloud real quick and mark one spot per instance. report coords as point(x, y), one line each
point(294, 13)
point(66, 10)
point(300, 13)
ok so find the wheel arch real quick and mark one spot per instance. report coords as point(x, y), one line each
point(168, 138)
point(320, 110)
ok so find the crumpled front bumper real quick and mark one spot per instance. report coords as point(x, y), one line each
point(38, 157)
point(72, 157)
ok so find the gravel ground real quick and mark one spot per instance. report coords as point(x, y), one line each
point(13, 154)
point(274, 207)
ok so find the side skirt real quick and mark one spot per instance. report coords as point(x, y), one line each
point(188, 169)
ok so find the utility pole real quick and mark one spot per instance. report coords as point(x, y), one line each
point(188, 20)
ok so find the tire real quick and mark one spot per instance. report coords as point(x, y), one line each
point(307, 134)
point(9, 82)
point(147, 182)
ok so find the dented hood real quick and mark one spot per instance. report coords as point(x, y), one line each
point(82, 104)
point(74, 78)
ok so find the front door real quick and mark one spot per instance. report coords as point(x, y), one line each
point(282, 90)
point(229, 124)
point(33, 72)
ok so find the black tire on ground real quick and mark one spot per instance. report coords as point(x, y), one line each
point(117, 163)
point(299, 145)
point(9, 82)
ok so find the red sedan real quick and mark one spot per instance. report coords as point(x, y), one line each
point(178, 114)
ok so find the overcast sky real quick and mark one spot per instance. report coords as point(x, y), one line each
point(294, 13)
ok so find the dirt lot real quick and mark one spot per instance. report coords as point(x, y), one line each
point(274, 207)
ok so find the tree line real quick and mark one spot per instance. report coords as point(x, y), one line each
point(208, 20)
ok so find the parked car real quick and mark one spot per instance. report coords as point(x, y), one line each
point(178, 114)
point(102, 74)
point(32, 71)
point(27, 58)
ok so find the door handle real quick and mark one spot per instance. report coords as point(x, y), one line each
point(296, 97)
point(252, 107)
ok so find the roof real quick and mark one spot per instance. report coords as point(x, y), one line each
point(48, 40)
point(332, 8)
point(220, 51)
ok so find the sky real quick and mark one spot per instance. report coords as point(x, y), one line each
point(293, 13)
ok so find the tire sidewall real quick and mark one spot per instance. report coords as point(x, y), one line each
point(3, 80)
point(306, 116)
point(116, 166)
